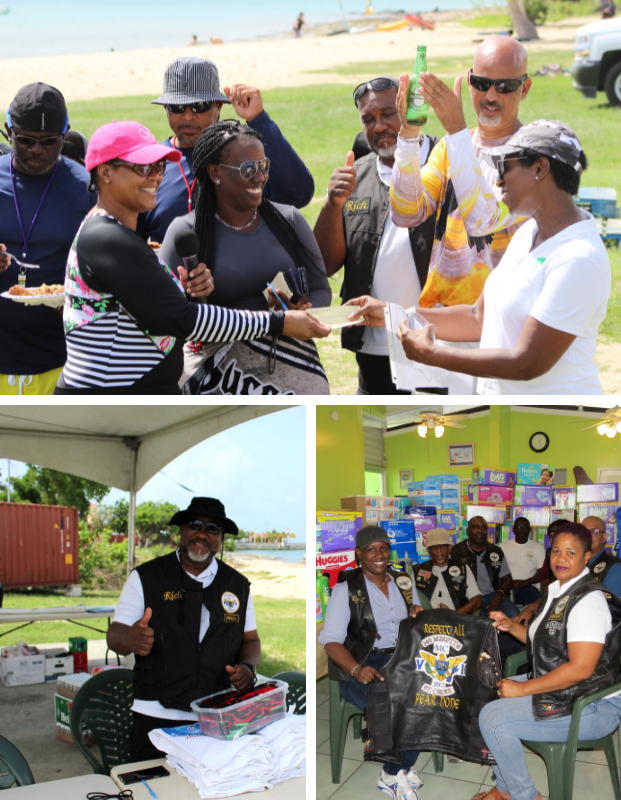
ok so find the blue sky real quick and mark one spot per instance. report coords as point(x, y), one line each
point(257, 469)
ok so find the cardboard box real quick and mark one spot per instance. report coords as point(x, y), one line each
point(390, 514)
point(449, 494)
point(534, 495)
point(484, 476)
point(606, 511)
point(446, 506)
point(530, 474)
point(333, 563)
point(492, 495)
point(496, 514)
point(568, 514)
point(536, 515)
point(598, 493)
point(445, 481)
point(420, 511)
point(426, 499)
point(426, 485)
point(446, 519)
point(22, 670)
point(338, 530)
point(402, 535)
point(57, 662)
point(564, 497)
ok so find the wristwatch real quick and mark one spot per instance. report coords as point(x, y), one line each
point(252, 669)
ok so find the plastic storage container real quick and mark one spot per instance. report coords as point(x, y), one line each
point(245, 717)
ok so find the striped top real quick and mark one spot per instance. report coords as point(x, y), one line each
point(126, 315)
point(473, 227)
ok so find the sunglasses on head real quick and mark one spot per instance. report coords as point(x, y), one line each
point(30, 141)
point(502, 85)
point(144, 170)
point(196, 108)
point(248, 169)
point(377, 85)
point(209, 527)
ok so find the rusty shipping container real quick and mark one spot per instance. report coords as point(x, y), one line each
point(38, 545)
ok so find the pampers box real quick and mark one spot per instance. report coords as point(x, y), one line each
point(402, 535)
point(483, 476)
point(447, 482)
point(531, 474)
point(492, 495)
point(533, 495)
point(536, 515)
point(598, 493)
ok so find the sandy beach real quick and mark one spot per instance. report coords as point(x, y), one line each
point(266, 64)
point(271, 577)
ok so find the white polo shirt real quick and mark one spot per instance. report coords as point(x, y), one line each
point(564, 283)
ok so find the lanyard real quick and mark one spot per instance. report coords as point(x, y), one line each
point(25, 236)
point(185, 180)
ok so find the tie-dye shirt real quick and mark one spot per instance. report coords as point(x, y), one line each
point(473, 228)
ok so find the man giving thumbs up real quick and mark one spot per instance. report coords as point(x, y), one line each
point(354, 230)
point(189, 620)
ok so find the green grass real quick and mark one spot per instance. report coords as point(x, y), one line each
point(496, 21)
point(321, 122)
point(281, 625)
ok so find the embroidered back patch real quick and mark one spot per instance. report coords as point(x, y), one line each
point(357, 205)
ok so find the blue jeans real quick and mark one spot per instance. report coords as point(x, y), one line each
point(505, 723)
point(357, 694)
point(527, 595)
point(507, 644)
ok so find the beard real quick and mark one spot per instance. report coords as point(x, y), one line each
point(197, 559)
point(488, 121)
point(383, 152)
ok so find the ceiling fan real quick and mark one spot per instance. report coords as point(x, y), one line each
point(609, 425)
point(432, 420)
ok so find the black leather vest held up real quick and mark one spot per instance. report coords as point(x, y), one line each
point(549, 650)
point(362, 631)
point(455, 579)
point(444, 670)
point(179, 668)
point(364, 219)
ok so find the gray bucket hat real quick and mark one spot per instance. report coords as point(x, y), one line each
point(191, 80)
point(549, 137)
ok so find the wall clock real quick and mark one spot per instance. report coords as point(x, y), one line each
point(539, 442)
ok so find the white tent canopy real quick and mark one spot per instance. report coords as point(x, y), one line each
point(120, 446)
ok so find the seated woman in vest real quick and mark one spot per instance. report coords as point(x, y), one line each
point(581, 657)
point(360, 634)
point(444, 582)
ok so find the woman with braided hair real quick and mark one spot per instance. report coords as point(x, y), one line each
point(246, 240)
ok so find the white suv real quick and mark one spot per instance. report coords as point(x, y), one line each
point(597, 65)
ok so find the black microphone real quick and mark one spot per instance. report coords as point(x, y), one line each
point(186, 247)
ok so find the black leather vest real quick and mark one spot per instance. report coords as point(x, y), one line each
point(364, 218)
point(362, 631)
point(444, 670)
point(462, 553)
point(602, 565)
point(549, 650)
point(455, 579)
point(179, 668)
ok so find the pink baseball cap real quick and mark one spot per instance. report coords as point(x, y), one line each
point(127, 141)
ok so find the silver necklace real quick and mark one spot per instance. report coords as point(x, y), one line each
point(242, 227)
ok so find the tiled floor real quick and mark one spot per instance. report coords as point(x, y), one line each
point(457, 782)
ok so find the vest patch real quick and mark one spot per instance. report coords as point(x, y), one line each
point(403, 582)
point(494, 557)
point(171, 596)
point(600, 567)
point(231, 617)
point(358, 205)
point(230, 602)
point(440, 666)
point(553, 627)
point(424, 574)
point(454, 571)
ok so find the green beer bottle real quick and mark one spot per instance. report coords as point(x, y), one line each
point(416, 104)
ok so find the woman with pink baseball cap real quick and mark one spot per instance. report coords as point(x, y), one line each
point(126, 315)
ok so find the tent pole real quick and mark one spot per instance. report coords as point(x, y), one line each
point(131, 539)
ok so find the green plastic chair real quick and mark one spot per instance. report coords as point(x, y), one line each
point(296, 693)
point(14, 769)
point(103, 706)
point(560, 757)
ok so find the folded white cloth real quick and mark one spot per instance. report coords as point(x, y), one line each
point(248, 764)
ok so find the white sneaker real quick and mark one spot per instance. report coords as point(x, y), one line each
point(401, 786)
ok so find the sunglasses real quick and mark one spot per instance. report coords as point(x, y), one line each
point(502, 86)
point(30, 141)
point(195, 108)
point(211, 528)
point(144, 170)
point(377, 85)
point(501, 164)
point(248, 169)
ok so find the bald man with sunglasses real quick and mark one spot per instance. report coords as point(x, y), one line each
point(473, 228)
point(193, 101)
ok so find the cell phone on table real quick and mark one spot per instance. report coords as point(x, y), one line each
point(143, 775)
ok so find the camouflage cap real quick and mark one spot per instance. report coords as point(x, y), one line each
point(549, 137)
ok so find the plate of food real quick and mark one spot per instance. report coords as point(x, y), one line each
point(52, 295)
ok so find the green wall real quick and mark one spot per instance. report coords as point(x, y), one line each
point(340, 454)
point(501, 441)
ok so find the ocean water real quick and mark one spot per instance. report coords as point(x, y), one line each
point(56, 27)
point(296, 556)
